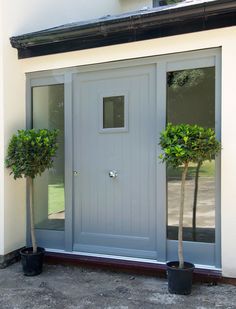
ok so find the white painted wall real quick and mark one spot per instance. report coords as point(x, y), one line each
point(134, 5)
point(13, 88)
point(1, 140)
point(14, 118)
point(228, 170)
point(27, 16)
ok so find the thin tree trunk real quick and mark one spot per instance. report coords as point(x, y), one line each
point(32, 230)
point(195, 200)
point(181, 217)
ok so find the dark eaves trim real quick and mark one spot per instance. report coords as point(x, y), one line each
point(127, 28)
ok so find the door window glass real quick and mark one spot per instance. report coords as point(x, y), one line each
point(113, 112)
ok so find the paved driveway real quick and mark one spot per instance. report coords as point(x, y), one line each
point(72, 287)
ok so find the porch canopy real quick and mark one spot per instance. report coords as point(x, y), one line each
point(185, 17)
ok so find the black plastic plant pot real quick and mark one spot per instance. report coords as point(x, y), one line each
point(180, 279)
point(32, 263)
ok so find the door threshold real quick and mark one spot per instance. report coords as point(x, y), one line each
point(202, 273)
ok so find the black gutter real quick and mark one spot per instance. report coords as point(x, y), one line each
point(127, 28)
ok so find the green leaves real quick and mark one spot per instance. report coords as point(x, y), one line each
point(186, 143)
point(31, 152)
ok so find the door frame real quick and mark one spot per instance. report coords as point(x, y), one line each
point(64, 240)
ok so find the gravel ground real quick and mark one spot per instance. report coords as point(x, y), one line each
point(70, 287)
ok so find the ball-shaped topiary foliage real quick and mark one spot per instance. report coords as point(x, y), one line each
point(186, 143)
point(31, 152)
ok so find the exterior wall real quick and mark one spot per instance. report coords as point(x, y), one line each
point(228, 169)
point(28, 17)
point(13, 88)
point(134, 5)
point(1, 140)
point(14, 118)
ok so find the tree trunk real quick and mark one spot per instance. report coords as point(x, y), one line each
point(32, 230)
point(195, 200)
point(181, 217)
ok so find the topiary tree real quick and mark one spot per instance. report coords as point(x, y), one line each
point(30, 153)
point(182, 144)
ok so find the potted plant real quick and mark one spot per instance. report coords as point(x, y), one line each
point(182, 144)
point(30, 153)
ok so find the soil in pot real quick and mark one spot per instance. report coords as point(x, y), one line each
point(32, 263)
point(180, 279)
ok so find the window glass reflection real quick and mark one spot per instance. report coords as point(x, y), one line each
point(165, 2)
point(113, 112)
point(191, 99)
point(48, 189)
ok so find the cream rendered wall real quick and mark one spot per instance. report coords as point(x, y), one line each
point(14, 113)
point(1, 140)
point(14, 118)
point(134, 5)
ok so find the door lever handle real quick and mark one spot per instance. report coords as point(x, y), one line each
point(113, 174)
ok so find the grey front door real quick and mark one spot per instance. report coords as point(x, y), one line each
point(115, 140)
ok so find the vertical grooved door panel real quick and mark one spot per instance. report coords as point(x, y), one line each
point(115, 215)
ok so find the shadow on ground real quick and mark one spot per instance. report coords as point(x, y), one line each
point(69, 287)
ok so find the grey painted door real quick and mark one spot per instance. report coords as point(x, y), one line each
point(115, 215)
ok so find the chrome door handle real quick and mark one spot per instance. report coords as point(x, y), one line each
point(113, 174)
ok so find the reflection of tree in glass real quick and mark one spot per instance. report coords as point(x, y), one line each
point(166, 2)
point(191, 96)
point(195, 196)
point(56, 121)
point(176, 80)
point(173, 1)
point(192, 90)
point(187, 78)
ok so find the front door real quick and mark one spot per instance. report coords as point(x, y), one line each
point(115, 140)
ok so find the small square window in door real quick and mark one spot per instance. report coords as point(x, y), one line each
point(113, 112)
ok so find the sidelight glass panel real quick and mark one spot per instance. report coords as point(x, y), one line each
point(165, 2)
point(191, 99)
point(113, 112)
point(48, 189)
